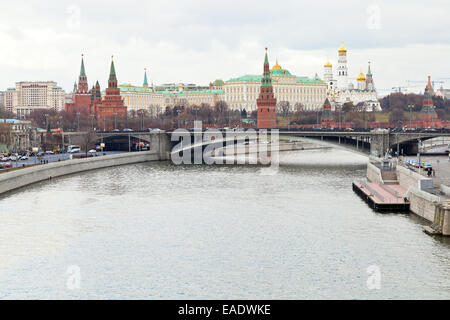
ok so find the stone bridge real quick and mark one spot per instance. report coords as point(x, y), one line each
point(375, 142)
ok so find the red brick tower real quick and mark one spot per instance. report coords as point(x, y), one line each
point(266, 102)
point(428, 116)
point(112, 105)
point(81, 99)
point(326, 119)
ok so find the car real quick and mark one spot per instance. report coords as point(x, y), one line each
point(5, 159)
point(149, 129)
point(156, 130)
point(92, 151)
point(116, 130)
point(24, 158)
point(75, 150)
point(49, 152)
point(127, 130)
point(13, 158)
point(6, 165)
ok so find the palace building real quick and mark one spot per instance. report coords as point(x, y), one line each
point(301, 92)
point(156, 99)
point(340, 89)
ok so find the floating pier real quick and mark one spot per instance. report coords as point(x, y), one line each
point(382, 197)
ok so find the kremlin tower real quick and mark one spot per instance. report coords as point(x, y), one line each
point(428, 115)
point(266, 102)
point(81, 99)
point(111, 106)
point(326, 119)
point(91, 102)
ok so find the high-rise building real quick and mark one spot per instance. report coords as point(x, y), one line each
point(266, 102)
point(28, 96)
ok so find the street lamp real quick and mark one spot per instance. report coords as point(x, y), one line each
point(410, 107)
point(78, 122)
point(92, 121)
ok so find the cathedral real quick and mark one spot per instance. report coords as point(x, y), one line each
point(340, 88)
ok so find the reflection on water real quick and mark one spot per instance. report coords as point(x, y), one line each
point(159, 231)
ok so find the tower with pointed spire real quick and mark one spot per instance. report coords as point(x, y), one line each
point(369, 80)
point(266, 102)
point(326, 119)
point(111, 107)
point(81, 96)
point(145, 79)
point(428, 118)
point(82, 79)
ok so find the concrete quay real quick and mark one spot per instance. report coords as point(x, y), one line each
point(20, 178)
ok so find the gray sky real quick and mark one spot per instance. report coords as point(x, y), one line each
point(199, 41)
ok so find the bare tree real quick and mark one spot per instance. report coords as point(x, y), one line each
point(283, 108)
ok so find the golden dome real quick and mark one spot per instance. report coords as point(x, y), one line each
point(361, 77)
point(276, 66)
point(328, 64)
point(342, 48)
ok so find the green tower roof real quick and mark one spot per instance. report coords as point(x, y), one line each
point(82, 72)
point(112, 72)
point(145, 78)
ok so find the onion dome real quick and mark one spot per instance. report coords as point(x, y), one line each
point(342, 49)
point(276, 66)
point(328, 64)
point(361, 77)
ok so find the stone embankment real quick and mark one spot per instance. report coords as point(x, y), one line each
point(431, 207)
point(24, 177)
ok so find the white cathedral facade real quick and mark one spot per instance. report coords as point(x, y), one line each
point(341, 89)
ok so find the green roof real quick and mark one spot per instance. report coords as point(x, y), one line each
point(131, 88)
point(253, 78)
point(280, 72)
point(192, 92)
point(247, 78)
point(218, 82)
point(309, 80)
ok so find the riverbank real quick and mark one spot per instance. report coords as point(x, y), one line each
point(425, 202)
point(19, 178)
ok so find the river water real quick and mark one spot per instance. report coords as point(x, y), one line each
point(160, 231)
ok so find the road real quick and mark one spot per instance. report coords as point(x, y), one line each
point(50, 158)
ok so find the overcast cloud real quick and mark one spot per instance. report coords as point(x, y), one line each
point(199, 41)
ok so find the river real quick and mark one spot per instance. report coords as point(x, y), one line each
point(160, 231)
